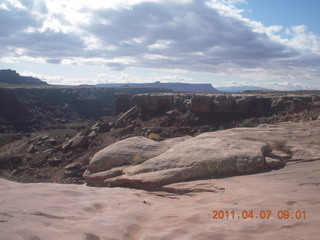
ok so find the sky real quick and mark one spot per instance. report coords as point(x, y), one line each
point(273, 44)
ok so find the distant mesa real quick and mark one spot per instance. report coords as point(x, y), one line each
point(9, 76)
point(12, 77)
point(176, 87)
point(234, 89)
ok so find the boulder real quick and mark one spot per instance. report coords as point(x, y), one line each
point(73, 166)
point(104, 127)
point(274, 163)
point(11, 162)
point(209, 155)
point(130, 114)
point(204, 156)
point(66, 146)
point(52, 141)
point(32, 149)
point(45, 137)
point(73, 170)
point(97, 179)
point(125, 152)
point(153, 164)
point(125, 131)
point(56, 161)
point(95, 127)
point(92, 134)
point(72, 173)
point(79, 141)
point(100, 127)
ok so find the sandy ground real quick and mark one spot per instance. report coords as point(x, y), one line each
point(45, 211)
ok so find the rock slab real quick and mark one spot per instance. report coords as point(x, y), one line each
point(150, 164)
point(139, 162)
point(64, 211)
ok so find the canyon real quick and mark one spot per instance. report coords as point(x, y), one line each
point(143, 164)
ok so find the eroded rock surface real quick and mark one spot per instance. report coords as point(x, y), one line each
point(222, 107)
point(201, 157)
point(64, 211)
point(209, 155)
point(130, 151)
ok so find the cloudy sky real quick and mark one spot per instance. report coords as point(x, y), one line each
point(268, 43)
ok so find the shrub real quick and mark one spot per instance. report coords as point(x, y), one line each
point(154, 136)
point(137, 160)
point(221, 128)
point(247, 123)
point(281, 145)
point(263, 120)
point(266, 150)
point(213, 167)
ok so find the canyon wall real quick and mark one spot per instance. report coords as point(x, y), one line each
point(223, 107)
point(34, 108)
point(25, 108)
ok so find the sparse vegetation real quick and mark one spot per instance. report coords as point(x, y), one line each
point(213, 167)
point(137, 160)
point(263, 120)
point(248, 123)
point(278, 145)
point(221, 127)
point(154, 136)
point(266, 150)
point(281, 145)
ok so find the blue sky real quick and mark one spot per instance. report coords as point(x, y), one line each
point(273, 44)
point(286, 13)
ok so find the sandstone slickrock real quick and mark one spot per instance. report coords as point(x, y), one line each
point(98, 178)
point(125, 152)
point(213, 154)
point(274, 163)
point(68, 211)
point(204, 156)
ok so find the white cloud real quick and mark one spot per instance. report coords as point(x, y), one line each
point(4, 6)
point(16, 4)
point(154, 77)
point(97, 79)
point(304, 40)
point(192, 35)
point(117, 78)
